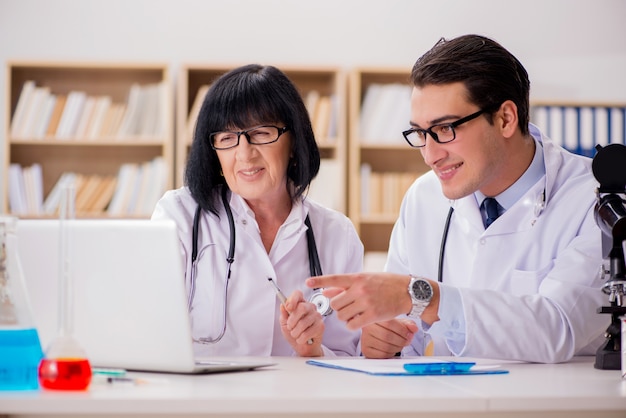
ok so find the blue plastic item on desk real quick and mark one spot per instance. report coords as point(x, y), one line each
point(439, 368)
point(20, 354)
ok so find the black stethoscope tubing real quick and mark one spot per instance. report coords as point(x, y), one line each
point(538, 209)
point(442, 250)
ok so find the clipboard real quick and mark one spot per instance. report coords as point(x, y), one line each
point(408, 367)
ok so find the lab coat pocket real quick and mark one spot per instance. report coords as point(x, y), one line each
point(526, 282)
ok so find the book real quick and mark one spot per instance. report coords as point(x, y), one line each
point(195, 109)
point(617, 119)
point(71, 113)
point(103, 196)
point(130, 121)
point(125, 187)
point(587, 134)
point(85, 117)
point(55, 118)
point(555, 121)
point(86, 192)
point(365, 176)
point(34, 111)
point(157, 187)
point(51, 203)
point(21, 109)
point(375, 193)
point(118, 114)
point(601, 126)
point(326, 186)
point(46, 115)
point(17, 190)
point(368, 108)
point(101, 107)
point(321, 121)
point(571, 138)
point(37, 187)
point(539, 117)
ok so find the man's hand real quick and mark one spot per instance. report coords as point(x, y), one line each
point(385, 339)
point(364, 298)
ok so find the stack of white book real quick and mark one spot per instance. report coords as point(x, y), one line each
point(385, 113)
point(40, 114)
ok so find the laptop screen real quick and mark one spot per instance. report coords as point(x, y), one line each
point(130, 307)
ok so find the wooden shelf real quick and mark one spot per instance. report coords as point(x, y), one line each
point(97, 154)
point(387, 157)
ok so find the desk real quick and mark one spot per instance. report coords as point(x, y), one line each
point(292, 388)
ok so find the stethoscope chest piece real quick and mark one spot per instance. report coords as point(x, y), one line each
point(321, 302)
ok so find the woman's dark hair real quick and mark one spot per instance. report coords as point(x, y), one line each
point(490, 73)
point(242, 98)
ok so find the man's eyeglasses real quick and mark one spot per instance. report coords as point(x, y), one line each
point(259, 135)
point(441, 133)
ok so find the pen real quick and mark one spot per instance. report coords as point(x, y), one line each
point(133, 380)
point(283, 299)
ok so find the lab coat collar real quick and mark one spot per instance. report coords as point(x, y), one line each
point(287, 235)
point(552, 157)
point(529, 207)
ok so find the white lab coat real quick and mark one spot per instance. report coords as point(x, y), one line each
point(252, 314)
point(529, 285)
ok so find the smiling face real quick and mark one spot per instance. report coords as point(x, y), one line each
point(258, 173)
point(475, 159)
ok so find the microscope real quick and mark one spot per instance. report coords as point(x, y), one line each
point(609, 168)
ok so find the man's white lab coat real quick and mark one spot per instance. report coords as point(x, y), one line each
point(529, 284)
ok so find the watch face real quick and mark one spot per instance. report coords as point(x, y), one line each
point(422, 290)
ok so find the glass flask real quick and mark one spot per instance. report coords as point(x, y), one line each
point(20, 348)
point(65, 365)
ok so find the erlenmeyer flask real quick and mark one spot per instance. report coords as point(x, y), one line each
point(65, 366)
point(20, 348)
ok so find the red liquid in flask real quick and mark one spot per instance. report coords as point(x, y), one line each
point(65, 374)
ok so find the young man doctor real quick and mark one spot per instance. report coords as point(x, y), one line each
point(516, 278)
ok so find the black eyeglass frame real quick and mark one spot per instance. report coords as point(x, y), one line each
point(452, 125)
point(245, 133)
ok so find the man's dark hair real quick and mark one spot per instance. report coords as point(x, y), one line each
point(490, 73)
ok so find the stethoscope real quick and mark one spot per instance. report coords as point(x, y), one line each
point(321, 302)
point(540, 205)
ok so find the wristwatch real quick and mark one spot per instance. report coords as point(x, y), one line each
point(421, 293)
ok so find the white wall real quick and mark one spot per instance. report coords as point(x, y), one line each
point(573, 49)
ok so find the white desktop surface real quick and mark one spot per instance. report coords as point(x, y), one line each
point(293, 388)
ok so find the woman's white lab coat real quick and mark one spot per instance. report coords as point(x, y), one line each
point(529, 285)
point(252, 312)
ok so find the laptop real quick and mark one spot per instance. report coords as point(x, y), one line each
point(130, 304)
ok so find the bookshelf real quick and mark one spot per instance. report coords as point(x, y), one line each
point(121, 115)
point(580, 126)
point(324, 90)
point(381, 165)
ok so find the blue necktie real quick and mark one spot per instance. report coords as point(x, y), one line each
point(492, 209)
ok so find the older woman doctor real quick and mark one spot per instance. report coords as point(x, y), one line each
point(243, 218)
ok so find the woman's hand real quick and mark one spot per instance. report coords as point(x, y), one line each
point(302, 326)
